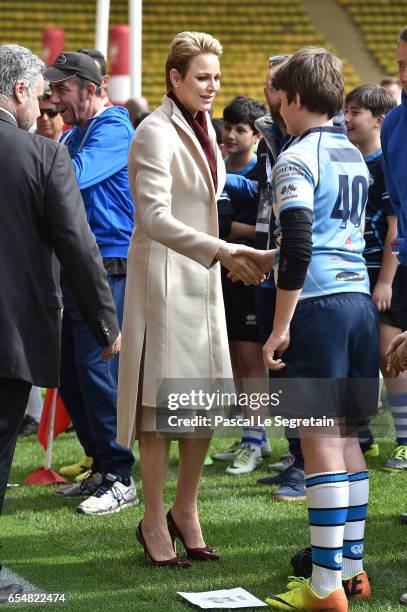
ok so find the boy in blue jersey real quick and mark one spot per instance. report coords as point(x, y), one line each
point(366, 107)
point(325, 324)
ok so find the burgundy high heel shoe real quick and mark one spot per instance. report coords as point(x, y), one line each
point(174, 562)
point(195, 554)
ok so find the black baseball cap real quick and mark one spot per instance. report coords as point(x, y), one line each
point(69, 64)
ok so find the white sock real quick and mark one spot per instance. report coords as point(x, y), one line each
point(253, 437)
point(353, 539)
point(398, 405)
point(34, 405)
point(327, 500)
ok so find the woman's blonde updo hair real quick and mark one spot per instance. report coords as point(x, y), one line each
point(184, 47)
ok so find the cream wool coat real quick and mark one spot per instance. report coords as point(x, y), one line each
point(173, 300)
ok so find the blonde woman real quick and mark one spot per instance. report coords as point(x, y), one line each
point(174, 321)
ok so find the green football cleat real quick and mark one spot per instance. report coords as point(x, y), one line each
point(71, 472)
point(357, 587)
point(372, 451)
point(398, 461)
point(302, 597)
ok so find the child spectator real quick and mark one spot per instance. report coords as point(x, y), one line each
point(237, 217)
point(365, 109)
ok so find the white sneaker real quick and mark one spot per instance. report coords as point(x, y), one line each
point(286, 461)
point(229, 453)
point(245, 460)
point(84, 488)
point(111, 496)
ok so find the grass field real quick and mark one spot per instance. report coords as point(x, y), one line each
point(97, 564)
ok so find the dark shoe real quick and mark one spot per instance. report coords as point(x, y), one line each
point(292, 487)
point(270, 481)
point(173, 562)
point(302, 562)
point(29, 426)
point(8, 591)
point(195, 554)
point(403, 518)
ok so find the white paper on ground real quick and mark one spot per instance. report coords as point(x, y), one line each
point(226, 598)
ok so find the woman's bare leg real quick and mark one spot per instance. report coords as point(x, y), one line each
point(154, 454)
point(192, 453)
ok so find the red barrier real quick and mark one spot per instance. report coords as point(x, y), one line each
point(54, 420)
point(53, 43)
point(119, 58)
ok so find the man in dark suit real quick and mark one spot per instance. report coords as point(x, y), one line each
point(41, 211)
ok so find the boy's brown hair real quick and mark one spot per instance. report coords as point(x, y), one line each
point(373, 97)
point(316, 75)
point(402, 36)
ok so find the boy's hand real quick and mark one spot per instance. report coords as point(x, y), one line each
point(396, 354)
point(276, 343)
point(381, 295)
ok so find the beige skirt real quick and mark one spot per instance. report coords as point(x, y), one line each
point(146, 417)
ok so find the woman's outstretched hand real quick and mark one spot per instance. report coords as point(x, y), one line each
point(240, 261)
point(263, 259)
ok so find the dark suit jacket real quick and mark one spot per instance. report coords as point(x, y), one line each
point(41, 211)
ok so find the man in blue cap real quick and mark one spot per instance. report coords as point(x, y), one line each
point(98, 144)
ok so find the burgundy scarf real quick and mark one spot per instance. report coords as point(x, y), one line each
point(200, 128)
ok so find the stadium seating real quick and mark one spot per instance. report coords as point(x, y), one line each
point(379, 21)
point(249, 32)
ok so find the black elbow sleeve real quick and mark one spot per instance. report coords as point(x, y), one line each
point(295, 248)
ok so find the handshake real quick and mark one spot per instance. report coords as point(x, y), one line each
point(244, 263)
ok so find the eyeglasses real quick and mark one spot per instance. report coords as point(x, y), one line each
point(274, 59)
point(50, 112)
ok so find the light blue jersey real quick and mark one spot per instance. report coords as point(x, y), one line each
point(324, 173)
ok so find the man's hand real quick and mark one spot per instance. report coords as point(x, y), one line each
point(276, 343)
point(397, 355)
point(113, 349)
point(241, 265)
point(381, 295)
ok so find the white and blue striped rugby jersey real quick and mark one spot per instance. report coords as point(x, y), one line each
point(324, 173)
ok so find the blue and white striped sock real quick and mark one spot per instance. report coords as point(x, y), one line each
point(398, 405)
point(353, 539)
point(327, 500)
point(253, 436)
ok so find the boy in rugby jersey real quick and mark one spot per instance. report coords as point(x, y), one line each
point(325, 324)
point(366, 107)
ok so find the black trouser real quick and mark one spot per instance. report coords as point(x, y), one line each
point(13, 402)
point(265, 300)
